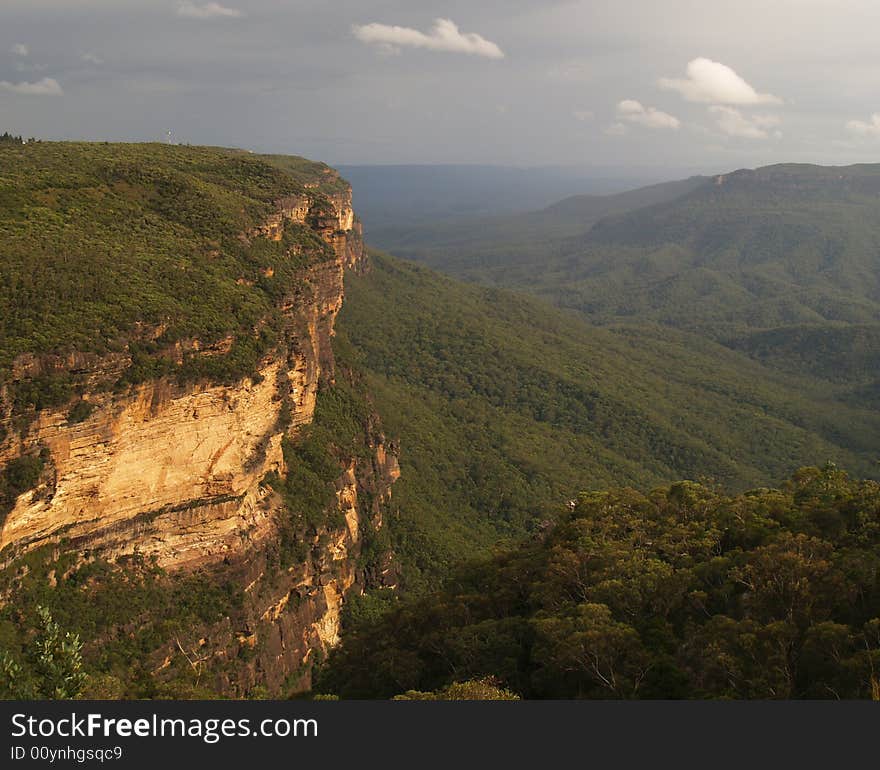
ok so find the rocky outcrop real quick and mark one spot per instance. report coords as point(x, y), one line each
point(200, 450)
point(137, 457)
point(293, 618)
point(177, 474)
point(331, 215)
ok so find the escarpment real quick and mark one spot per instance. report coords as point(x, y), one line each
point(187, 475)
point(161, 452)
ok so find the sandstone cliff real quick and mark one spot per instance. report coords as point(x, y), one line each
point(175, 475)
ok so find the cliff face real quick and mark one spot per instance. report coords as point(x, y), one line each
point(291, 617)
point(177, 474)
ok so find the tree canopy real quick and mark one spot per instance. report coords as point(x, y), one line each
point(682, 591)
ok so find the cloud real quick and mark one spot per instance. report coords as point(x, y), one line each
point(444, 36)
point(616, 129)
point(711, 82)
point(44, 87)
point(190, 10)
point(92, 58)
point(19, 49)
point(583, 115)
point(733, 123)
point(635, 112)
point(870, 128)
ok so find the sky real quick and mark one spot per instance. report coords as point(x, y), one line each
point(704, 85)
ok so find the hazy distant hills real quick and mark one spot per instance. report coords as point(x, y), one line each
point(487, 248)
point(396, 196)
point(782, 263)
point(783, 245)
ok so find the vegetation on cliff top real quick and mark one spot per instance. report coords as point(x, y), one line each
point(107, 244)
point(680, 592)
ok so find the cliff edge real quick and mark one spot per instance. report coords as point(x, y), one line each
point(165, 448)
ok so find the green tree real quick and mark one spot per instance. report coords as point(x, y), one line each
point(53, 664)
point(486, 688)
point(605, 655)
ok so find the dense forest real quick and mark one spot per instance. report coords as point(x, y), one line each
point(683, 591)
point(779, 263)
point(505, 407)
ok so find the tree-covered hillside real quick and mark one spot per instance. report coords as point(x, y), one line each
point(485, 248)
point(679, 592)
point(752, 249)
point(781, 263)
point(102, 244)
point(505, 406)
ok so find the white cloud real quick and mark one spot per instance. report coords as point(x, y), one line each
point(44, 87)
point(616, 129)
point(635, 112)
point(444, 36)
point(869, 128)
point(583, 115)
point(20, 49)
point(733, 123)
point(711, 82)
point(190, 10)
point(92, 58)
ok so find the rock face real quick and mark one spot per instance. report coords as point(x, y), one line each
point(138, 456)
point(176, 474)
point(293, 617)
point(335, 222)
